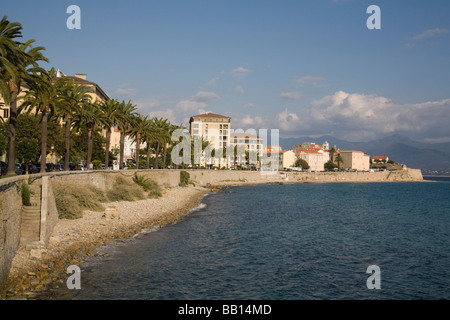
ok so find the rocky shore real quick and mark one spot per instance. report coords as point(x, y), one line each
point(73, 241)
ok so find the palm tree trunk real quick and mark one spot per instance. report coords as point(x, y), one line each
point(67, 155)
point(89, 152)
point(12, 131)
point(138, 145)
point(122, 147)
point(148, 155)
point(165, 154)
point(156, 166)
point(44, 141)
point(108, 145)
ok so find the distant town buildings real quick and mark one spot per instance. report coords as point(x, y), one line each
point(355, 160)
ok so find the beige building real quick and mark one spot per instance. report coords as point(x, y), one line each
point(95, 91)
point(288, 159)
point(212, 127)
point(354, 160)
point(316, 158)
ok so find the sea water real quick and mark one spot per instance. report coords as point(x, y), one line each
point(288, 242)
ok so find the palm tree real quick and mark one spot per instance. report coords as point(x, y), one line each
point(43, 98)
point(332, 151)
point(73, 96)
point(163, 136)
point(148, 136)
point(90, 117)
point(139, 124)
point(18, 62)
point(8, 55)
point(339, 160)
point(110, 111)
point(166, 137)
point(126, 111)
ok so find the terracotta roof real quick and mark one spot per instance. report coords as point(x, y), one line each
point(309, 150)
point(379, 157)
point(210, 115)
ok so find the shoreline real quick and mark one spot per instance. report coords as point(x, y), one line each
point(73, 241)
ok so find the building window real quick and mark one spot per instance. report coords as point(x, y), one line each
point(196, 131)
point(196, 125)
point(6, 113)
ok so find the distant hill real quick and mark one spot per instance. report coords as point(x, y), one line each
point(401, 149)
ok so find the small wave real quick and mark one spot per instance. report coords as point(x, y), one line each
point(199, 207)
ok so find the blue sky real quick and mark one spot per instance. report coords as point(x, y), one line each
point(307, 67)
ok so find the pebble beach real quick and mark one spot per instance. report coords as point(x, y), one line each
point(72, 241)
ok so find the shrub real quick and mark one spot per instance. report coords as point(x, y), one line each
point(149, 185)
point(26, 195)
point(97, 164)
point(184, 178)
point(125, 190)
point(71, 200)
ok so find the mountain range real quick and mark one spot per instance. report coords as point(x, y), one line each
point(401, 149)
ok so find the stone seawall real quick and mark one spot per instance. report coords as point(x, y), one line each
point(11, 201)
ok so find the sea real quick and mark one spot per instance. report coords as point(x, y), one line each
point(306, 241)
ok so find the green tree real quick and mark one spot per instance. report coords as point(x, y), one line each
point(148, 136)
point(137, 130)
point(338, 159)
point(18, 63)
point(162, 136)
point(301, 163)
point(126, 111)
point(110, 111)
point(330, 165)
point(3, 138)
point(90, 117)
point(43, 98)
point(72, 98)
point(27, 150)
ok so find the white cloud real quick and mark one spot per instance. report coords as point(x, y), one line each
point(239, 89)
point(203, 111)
point(240, 73)
point(315, 81)
point(203, 96)
point(168, 114)
point(287, 121)
point(249, 106)
point(290, 95)
point(358, 116)
point(148, 103)
point(430, 33)
point(124, 90)
point(213, 81)
point(189, 106)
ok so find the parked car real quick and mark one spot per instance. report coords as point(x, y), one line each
point(19, 169)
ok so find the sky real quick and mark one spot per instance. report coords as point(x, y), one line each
point(305, 67)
